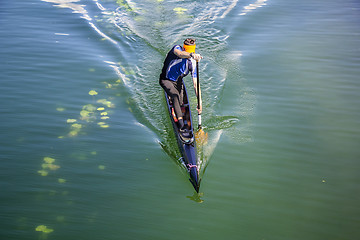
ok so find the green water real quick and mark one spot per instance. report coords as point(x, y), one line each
point(87, 149)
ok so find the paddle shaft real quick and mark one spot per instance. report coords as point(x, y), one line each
point(198, 91)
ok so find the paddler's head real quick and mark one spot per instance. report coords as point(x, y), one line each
point(189, 45)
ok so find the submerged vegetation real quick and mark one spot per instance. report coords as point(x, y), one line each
point(44, 229)
point(48, 165)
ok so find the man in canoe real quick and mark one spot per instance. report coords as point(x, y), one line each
point(179, 62)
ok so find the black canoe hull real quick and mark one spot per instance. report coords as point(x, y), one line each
point(187, 149)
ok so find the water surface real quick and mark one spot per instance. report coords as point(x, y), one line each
point(88, 151)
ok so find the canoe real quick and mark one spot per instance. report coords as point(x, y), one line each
point(187, 148)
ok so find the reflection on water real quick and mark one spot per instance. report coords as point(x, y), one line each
point(72, 4)
point(196, 197)
point(253, 6)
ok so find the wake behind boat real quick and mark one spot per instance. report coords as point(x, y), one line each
point(187, 146)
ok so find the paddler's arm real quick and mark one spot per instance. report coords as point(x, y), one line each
point(182, 54)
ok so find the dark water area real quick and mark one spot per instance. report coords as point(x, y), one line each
point(88, 152)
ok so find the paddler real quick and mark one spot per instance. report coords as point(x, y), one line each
point(179, 62)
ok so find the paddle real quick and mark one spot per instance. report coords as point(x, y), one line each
point(198, 92)
point(200, 135)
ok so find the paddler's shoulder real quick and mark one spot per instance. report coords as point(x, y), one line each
point(177, 47)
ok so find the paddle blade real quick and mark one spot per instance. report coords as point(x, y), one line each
point(201, 137)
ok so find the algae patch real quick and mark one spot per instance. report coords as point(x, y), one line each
point(44, 229)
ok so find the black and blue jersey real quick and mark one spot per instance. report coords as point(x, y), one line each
point(175, 67)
